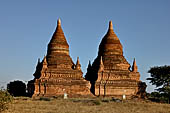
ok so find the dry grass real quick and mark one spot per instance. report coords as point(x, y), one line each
point(84, 106)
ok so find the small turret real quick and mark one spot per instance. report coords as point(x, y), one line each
point(38, 69)
point(38, 64)
point(134, 66)
point(101, 66)
point(89, 66)
point(44, 63)
point(78, 66)
point(38, 60)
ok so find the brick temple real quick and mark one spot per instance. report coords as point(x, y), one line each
point(110, 74)
point(57, 74)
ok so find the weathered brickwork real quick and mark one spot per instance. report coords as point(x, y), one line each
point(110, 74)
point(57, 74)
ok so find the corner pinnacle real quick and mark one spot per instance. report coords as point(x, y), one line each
point(78, 62)
point(134, 62)
point(101, 61)
point(134, 66)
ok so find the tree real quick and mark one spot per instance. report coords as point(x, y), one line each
point(5, 98)
point(16, 88)
point(160, 77)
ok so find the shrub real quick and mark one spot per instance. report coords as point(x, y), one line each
point(45, 99)
point(5, 98)
point(158, 97)
point(105, 100)
point(97, 102)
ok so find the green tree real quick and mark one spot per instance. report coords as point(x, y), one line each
point(5, 98)
point(16, 88)
point(160, 77)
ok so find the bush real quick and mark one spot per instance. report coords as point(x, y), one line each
point(45, 99)
point(106, 100)
point(158, 97)
point(5, 98)
point(97, 102)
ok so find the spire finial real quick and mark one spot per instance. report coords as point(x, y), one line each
point(59, 22)
point(110, 25)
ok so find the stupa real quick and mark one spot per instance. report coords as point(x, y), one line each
point(110, 74)
point(57, 74)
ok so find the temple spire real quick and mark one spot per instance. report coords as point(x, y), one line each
point(110, 25)
point(110, 43)
point(59, 22)
point(78, 66)
point(134, 66)
point(58, 46)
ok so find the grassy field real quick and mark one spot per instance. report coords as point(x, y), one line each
point(45, 105)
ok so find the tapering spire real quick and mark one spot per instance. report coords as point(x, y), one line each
point(78, 66)
point(58, 36)
point(59, 22)
point(134, 66)
point(110, 43)
point(111, 32)
point(58, 49)
point(110, 25)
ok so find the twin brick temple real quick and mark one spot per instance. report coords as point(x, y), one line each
point(109, 75)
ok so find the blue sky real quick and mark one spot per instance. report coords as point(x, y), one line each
point(143, 27)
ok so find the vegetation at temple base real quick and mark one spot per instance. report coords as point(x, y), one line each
point(17, 88)
point(84, 105)
point(160, 77)
point(5, 98)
